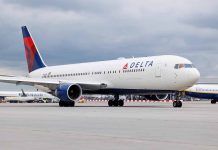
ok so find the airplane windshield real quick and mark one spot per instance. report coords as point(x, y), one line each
point(179, 66)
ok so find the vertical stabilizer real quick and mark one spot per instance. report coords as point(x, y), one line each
point(34, 59)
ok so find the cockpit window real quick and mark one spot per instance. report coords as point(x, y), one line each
point(179, 66)
point(176, 66)
point(188, 66)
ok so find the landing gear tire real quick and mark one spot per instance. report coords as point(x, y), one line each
point(177, 104)
point(116, 103)
point(213, 101)
point(71, 104)
point(120, 103)
point(110, 103)
point(61, 103)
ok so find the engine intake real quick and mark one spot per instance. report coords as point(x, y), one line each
point(67, 92)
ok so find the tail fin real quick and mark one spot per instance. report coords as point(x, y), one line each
point(23, 93)
point(34, 59)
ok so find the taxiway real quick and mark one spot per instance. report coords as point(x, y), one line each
point(95, 126)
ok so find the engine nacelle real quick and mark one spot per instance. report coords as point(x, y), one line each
point(156, 97)
point(161, 96)
point(66, 92)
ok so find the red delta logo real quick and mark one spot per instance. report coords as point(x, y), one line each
point(138, 65)
point(125, 66)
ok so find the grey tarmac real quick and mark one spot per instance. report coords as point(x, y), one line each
point(94, 126)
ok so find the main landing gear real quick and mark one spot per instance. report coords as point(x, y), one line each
point(66, 103)
point(116, 102)
point(177, 102)
point(213, 101)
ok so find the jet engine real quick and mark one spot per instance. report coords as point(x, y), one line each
point(66, 92)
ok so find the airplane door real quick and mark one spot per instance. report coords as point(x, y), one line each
point(158, 71)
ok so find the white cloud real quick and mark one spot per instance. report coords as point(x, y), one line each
point(4, 70)
point(81, 30)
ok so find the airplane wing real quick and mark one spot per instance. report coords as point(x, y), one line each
point(50, 84)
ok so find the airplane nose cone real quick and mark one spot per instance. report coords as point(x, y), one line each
point(193, 76)
point(187, 78)
point(196, 75)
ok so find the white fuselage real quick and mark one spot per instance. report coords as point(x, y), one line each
point(145, 73)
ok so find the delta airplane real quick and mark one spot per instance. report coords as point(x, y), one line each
point(144, 75)
point(205, 91)
point(11, 96)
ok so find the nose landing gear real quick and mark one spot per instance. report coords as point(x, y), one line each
point(177, 102)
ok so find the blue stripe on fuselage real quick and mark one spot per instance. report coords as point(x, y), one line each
point(202, 95)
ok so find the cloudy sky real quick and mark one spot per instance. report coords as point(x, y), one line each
point(72, 31)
